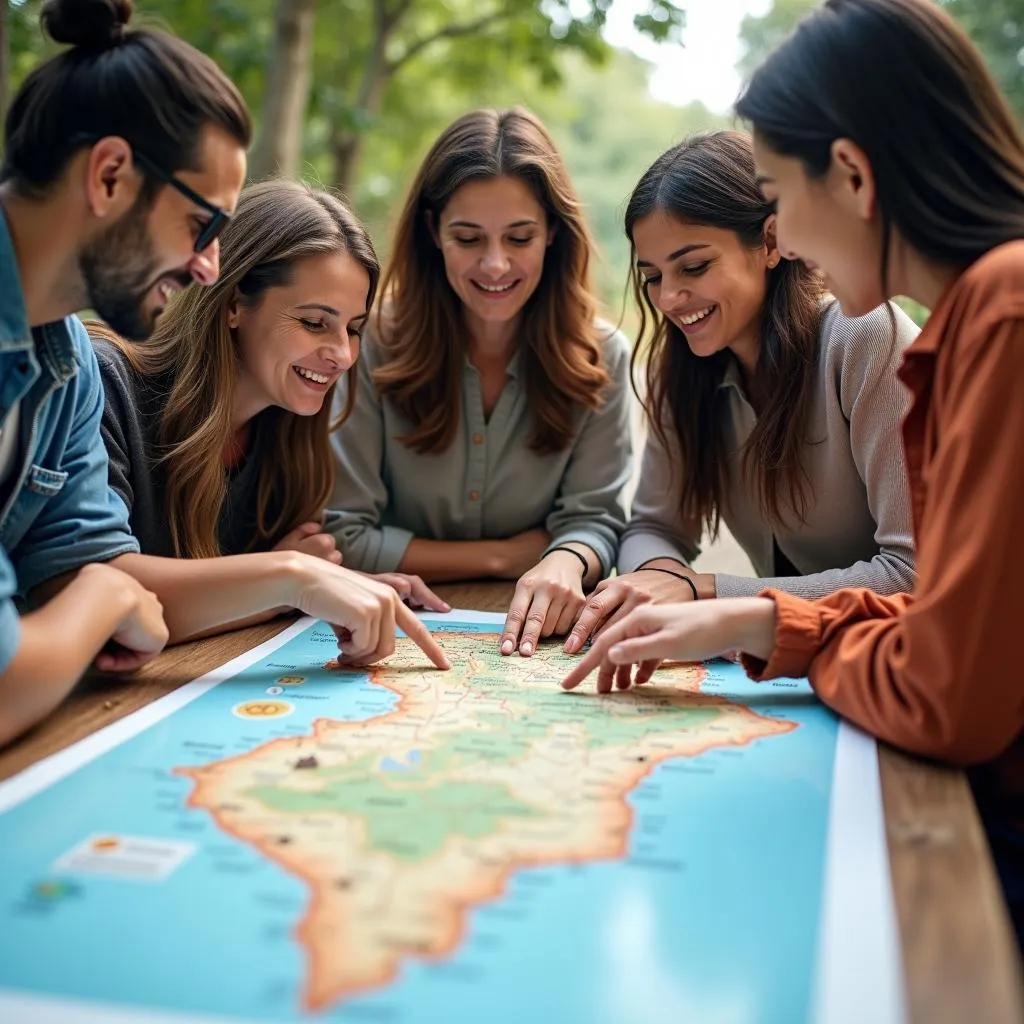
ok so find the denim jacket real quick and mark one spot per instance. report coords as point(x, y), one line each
point(57, 512)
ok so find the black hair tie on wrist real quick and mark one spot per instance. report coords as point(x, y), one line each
point(573, 551)
point(678, 576)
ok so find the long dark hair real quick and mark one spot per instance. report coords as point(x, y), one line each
point(148, 87)
point(710, 179)
point(421, 328)
point(902, 80)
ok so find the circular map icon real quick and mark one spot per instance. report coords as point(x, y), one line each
point(291, 680)
point(263, 709)
point(275, 690)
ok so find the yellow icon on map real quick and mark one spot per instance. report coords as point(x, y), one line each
point(105, 844)
point(291, 680)
point(263, 709)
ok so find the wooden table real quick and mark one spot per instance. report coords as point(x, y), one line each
point(959, 954)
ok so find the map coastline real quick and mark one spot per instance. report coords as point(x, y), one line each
point(338, 966)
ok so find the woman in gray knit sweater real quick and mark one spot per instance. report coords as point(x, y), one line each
point(768, 409)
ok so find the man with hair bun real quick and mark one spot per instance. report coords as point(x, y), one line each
point(123, 159)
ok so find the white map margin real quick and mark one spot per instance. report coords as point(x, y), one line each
point(859, 976)
point(859, 970)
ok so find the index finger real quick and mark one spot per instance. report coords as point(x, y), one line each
point(420, 636)
point(596, 611)
point(598, 652)
point(591, 660)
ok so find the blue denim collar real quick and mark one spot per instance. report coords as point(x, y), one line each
point(51, 343)
point(15, 335)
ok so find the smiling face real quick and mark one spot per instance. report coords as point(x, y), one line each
point(493, 235)
point(131, 268)
point(829, 223)
point(705, 281)
point(298, 339)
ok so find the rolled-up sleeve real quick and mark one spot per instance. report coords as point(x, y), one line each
point(360, 494)
point(84, 521)
point(934, 673)
point(590, 508)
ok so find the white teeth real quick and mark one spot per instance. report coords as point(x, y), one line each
point(696, 316)
point(317, 378)
point(494, 287)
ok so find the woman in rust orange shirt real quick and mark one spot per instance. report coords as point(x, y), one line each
point(898, 169)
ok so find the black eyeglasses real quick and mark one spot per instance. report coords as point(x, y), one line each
point(218, 217)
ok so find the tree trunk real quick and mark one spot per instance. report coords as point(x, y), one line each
point(347, 143)
point(279, 149)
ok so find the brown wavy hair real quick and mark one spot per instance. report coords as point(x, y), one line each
point(420, 326)
point(710, 179)
point(192, 359)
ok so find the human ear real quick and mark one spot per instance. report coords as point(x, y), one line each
point(233, 313)
point(771, 245)
point(111, 179)
point(852, 178)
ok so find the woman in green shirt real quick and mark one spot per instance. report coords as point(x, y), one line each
point(490, 434)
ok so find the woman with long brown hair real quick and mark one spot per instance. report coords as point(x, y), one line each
point(768, 408)
point(490, 433)
point(218, 427)
point(911, 183)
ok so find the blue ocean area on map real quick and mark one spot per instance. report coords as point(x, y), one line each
point(712, 916)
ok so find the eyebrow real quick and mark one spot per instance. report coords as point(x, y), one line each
point(675, 255)
point(514, 224)
point(320, 306)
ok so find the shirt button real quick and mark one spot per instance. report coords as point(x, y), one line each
point(474, 495)
point(478, 439)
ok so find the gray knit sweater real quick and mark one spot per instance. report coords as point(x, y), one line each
point(857, 531)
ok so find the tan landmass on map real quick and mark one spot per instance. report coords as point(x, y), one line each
point(403, 823)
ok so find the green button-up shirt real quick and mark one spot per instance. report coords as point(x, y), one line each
point(488, 485)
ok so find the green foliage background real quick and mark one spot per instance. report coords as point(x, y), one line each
point(547, 54)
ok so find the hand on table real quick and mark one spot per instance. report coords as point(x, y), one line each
point(547, 600)
point(311, 539)
point(413, 591)
point(142, 634)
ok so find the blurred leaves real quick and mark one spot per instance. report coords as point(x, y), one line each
point(387, 75)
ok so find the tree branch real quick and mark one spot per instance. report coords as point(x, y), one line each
point(456, 31)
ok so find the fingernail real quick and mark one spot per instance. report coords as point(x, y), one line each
point(507, 647)
point(446, 607)
point(526, 650)
point(570, 645)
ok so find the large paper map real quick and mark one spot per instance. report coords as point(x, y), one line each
point(283, 841)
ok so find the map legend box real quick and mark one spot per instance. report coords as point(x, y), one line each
point(133, 857)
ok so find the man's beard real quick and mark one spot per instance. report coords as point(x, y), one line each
point(119, 267)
